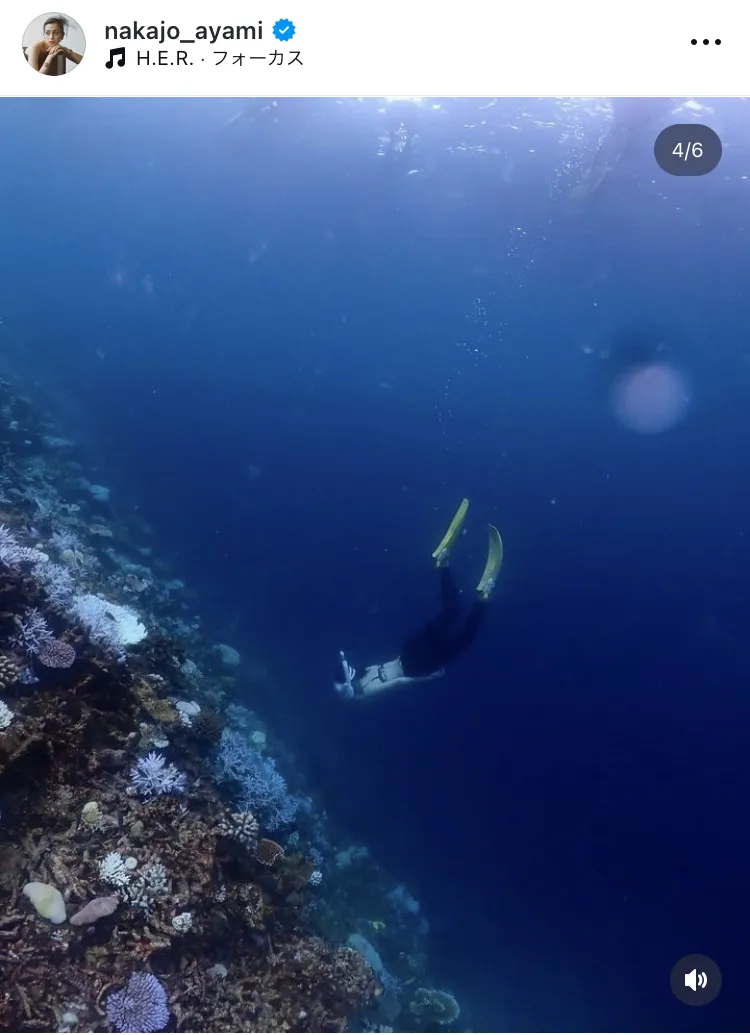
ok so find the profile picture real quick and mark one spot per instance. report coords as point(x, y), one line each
point(54, 44)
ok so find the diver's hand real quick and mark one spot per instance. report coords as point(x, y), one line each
point(347, 686)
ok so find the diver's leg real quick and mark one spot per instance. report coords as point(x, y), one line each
point(466, 634)
point(421, 654)
point(468, 630)
point(450, 598)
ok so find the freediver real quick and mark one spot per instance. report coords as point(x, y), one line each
point(427, 652)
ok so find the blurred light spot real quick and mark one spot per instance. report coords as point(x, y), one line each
point(649, 399)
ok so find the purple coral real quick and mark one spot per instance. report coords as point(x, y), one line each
point(56, 654)
point(141, 1006)
point(152, 775)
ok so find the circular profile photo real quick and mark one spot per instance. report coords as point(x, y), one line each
point(54, 44)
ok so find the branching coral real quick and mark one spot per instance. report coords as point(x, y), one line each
point(151, 884)
point(9, 547)
point(114, 871)
point(33, 632)
point(57, 581)
point(151, 775)
point(260, 787)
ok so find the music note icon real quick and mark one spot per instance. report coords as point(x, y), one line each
point(119, 53)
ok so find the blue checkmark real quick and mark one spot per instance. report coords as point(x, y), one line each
point(284, 29)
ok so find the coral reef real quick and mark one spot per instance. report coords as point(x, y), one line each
point(139, 886)
point(72, 745)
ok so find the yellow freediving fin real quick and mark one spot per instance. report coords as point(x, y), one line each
point(492, 567)
point(442, 553)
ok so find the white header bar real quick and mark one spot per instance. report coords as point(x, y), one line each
point(394, 47)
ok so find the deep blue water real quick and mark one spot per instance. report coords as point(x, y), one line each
point(299, 354)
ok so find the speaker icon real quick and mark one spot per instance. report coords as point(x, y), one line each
point(695, 980)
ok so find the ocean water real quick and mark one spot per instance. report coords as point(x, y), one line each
point(297, 333)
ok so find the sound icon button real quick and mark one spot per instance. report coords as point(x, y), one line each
point(695, 980)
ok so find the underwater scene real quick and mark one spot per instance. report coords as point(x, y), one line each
point(374, 558)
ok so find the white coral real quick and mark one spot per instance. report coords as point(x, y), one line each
point(241, 826)
point(217, 972)
point(110, 625)
point(6, 716)
point(182, 922)
point(91, 815)
point(186, 711)
point(191, 708)
point(152, 775)
point(229, 655)
point(152, 883)
point(114, 870)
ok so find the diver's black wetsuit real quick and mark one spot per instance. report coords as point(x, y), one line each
point(444, 637)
